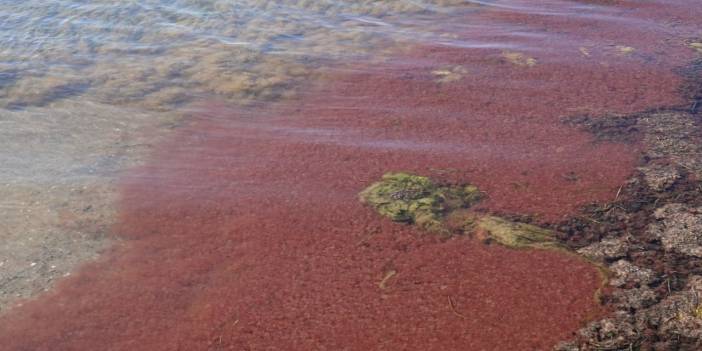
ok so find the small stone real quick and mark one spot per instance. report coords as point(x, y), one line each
point(607, 249)
point(611, 333)
point(636, 298)
point(625, 50)
point(627, 273)
point(660, 178)
point(676, 315)
point(679, 228)
point(566, 346)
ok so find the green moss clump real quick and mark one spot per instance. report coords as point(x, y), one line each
point(415, 199)
point(516, 235)
point(446, 209)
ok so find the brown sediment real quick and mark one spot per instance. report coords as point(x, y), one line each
point(245, 232)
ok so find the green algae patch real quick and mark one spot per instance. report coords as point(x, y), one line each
point(516, 235)
point(443, 208)
point(414, 199)
point(446, 209)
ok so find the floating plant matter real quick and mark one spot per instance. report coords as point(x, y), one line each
point(449, 74)
point(696, 46)
point(415, 199)
point(515, 234)
point(625, 50)
point(519, 59)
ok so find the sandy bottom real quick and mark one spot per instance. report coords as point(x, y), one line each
point(58, 187)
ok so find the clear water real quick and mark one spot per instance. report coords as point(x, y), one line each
point(164, 53)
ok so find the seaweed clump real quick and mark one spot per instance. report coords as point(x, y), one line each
point(516, 235)
point(445, 209)
point(442, 208)
point(414, 199)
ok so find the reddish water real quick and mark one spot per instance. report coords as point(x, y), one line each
point(245, 232)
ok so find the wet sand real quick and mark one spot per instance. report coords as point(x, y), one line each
point(244, 230)
point(60, 164)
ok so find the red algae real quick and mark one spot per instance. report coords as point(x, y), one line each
point(260, 243)
point(245, 232)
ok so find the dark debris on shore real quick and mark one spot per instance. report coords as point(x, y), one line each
point(650, 236)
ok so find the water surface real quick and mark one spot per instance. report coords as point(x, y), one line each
point(212, 152)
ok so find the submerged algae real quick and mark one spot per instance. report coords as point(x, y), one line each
point(445, 209)
point(415, 199)
point(449, 74)
point(519, 59)
point(516, 235)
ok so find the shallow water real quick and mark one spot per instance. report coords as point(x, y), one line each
point(212, 152)
point(164, 53)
